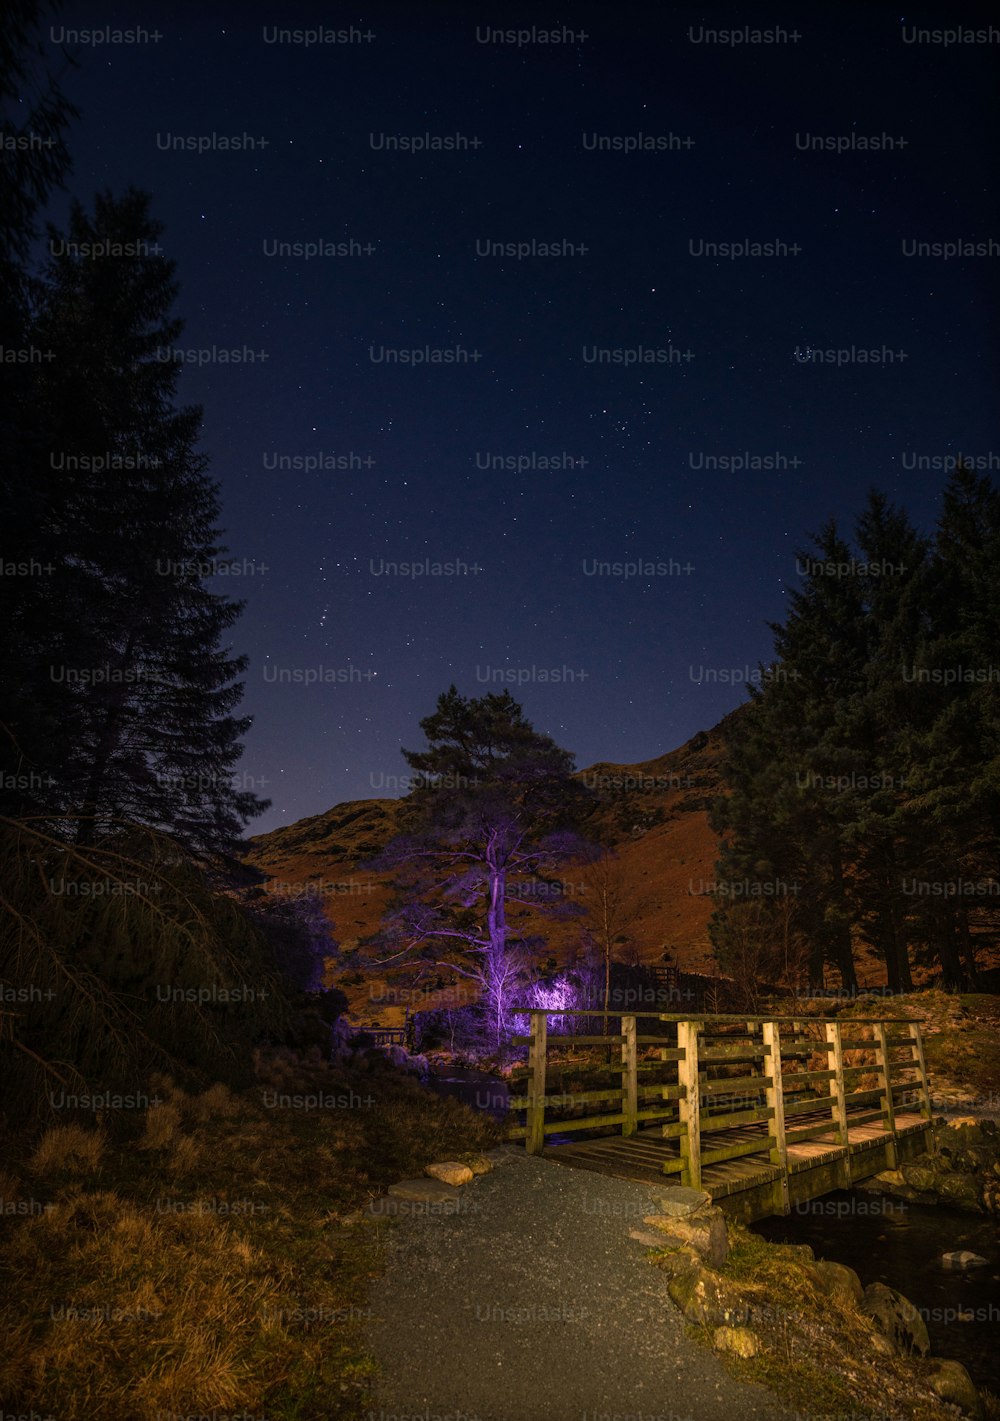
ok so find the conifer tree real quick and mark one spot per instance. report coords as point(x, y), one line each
point(127, 692)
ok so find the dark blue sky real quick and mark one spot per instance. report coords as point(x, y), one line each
point(630, 650)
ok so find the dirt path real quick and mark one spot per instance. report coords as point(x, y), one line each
point(532, 1302)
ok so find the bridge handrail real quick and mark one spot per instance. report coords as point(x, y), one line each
point(729, 1017)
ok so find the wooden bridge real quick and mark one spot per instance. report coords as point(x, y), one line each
point(762, 1112)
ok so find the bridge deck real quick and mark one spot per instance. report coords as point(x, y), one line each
point(641, 1156)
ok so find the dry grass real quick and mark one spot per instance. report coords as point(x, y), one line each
point(196, 1261)
point(69, 1148)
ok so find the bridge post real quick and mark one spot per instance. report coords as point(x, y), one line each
point(535, 1134)
point(916, 1036)
point(775, 1097)
point(689, 1103)
point(888, 1114)
point(630, 1077)
point(838, 1098)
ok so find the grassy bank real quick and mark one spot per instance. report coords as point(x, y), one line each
point(203, 1253)
point(819, 1353)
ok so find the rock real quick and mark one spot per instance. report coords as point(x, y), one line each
point(962, 1190)
point(707, 1299)
point(479, 1164)
point(652, 1238)
point(449, 1172)
point(897, 1318)
point(954, 1386)
point(424, 1191)
point(740, 1341)
point(681, 1201)
point(839, 1282)
point(679, 1260)
point(889, 1177)
point(704, 1231)
point(962, 1260)
point(920, 1176)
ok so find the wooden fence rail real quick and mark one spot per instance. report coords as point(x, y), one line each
point(730, 1096)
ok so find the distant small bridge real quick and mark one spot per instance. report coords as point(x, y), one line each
point(385, 1035)
point(761, 1112)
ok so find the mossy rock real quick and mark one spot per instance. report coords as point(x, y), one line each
point(953, 1385)
point(707, 1299)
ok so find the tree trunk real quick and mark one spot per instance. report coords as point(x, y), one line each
point(496, 919)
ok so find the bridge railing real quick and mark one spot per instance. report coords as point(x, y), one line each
point(722, 1087)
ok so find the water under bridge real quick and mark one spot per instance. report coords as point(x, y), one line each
point(761, 1112)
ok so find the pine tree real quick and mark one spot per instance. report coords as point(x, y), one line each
point(492, 815)
point(127, 693)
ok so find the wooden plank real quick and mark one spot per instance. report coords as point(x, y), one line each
point(810, 1132)
point(813, 1106)
point(585, 1040)
point(689, 1104)
point(771, 1033)
point(728, 1054)
point(727, 1152)
point(738, 1085)
point(535, 1123)
point(630, 1097)
point(732, 1118)
point(792, 1079)
point(568, 1098)
point(586, 1122)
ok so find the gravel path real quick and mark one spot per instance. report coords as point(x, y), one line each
point(532, 1302)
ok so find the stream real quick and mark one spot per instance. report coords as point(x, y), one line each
point(475, 1088)
point(889, 1241)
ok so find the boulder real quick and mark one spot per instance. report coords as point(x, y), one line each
point(920, 1176)
point(838, 1282)
point(450, 1172)
point(479, 1164)
point(962, 1260)
point(962, 1190)
point(704, 1231)
point(707, 1299)
point(953, 1385)
point(896, 1318)
point(739, 1341)
point(680, 1201)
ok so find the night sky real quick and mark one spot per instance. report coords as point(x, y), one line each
point(417, 458)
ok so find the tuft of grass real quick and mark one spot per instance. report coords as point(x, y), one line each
point(71, 1149)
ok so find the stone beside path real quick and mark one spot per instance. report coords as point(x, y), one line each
point(525, 1295)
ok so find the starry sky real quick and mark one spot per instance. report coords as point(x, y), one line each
point(553, 444)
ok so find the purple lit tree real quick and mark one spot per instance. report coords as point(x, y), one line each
point(491, 818)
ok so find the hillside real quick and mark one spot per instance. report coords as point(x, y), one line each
point(656, 811)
